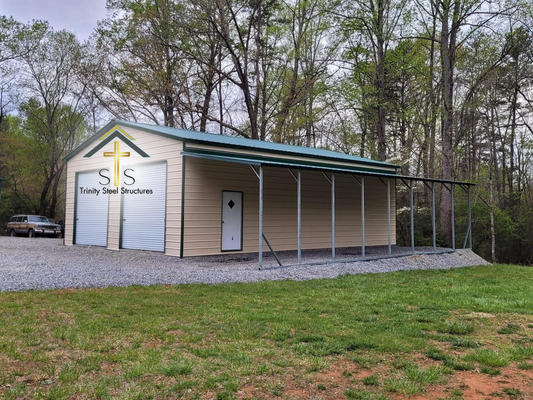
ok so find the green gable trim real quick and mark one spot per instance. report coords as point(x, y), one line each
point(116, 134)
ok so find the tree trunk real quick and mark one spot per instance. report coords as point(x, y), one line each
point(52, 210)
point(514, 107)
point(43, 202)
point(380, 83)
point(448, 48)
point(209, 86)
point(492, 231)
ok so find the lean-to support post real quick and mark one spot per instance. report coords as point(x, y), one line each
point(260, 216)
point(363, 217)
point(469, 219)
point(332, 182)
point(332, 216)
point(412, 201)
point(433, 216)
point(453, 216)
point(388, 212)
point(388, 215)
point(469, 227)
point(299, 184)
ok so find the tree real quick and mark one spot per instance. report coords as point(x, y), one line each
point(53, 116)
point(243, 29)
point(16, 41)
point(376, 22)
point(138, 59)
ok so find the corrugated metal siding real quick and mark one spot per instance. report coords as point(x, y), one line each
point(91, 211)
point(205, 180)
point(159, 148)
point(143, 214)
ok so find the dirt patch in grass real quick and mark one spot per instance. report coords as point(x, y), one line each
point(344, 380)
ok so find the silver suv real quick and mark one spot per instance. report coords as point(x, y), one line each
point(32, 225)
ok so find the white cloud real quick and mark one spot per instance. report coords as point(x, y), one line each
point(77, 16)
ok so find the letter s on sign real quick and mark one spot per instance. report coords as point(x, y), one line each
point(103, 176)
point(128, 176)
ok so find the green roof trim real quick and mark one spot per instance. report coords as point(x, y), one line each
point(231, 141)
point(257, 161)
point(288, 164)
point(261, 160)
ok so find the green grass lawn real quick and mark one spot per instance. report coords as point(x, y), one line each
point(410, 330)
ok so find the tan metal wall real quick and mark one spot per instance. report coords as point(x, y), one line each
point(158, 148)
point(205, 180)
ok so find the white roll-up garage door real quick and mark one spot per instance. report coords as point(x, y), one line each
point(92, 207)
point(144, 207)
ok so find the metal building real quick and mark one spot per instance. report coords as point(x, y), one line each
point(147, 187)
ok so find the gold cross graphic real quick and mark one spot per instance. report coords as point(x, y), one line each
point(116, 154)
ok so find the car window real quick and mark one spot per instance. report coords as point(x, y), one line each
point(24, 219)
point(36, 218)
point(13, 219)
point(19, 219)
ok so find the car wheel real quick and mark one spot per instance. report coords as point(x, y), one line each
point(31, 233)
point(12, 233)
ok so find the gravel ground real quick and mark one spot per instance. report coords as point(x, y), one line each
point(42, 263)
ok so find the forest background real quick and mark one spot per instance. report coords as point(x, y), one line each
point(442, 88)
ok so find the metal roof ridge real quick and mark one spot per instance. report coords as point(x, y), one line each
point(244, 142)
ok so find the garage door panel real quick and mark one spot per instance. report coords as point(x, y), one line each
point(143, 215)
point(91, 211)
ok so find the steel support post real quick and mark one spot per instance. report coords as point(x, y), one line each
point(433, 216)
point(388, 215)
point(363, 217)
point(332, 216)
point(469, 219)
point(260, 216)
point(412, 201)
point(453, 216)
point(299, 184)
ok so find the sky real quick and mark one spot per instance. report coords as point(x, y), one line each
point(77, 16)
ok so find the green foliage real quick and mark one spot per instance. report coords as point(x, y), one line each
point(358, 394)
point(512, 392)
point(509, 329)
point(371, 380)
point(490, 371)
point(456, 328)
point(489, 357)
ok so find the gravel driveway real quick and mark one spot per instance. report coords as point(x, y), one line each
point(41, 263)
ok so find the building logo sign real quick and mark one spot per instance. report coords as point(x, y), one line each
point(116, 154)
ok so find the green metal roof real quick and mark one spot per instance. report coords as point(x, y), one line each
point(231, 141)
